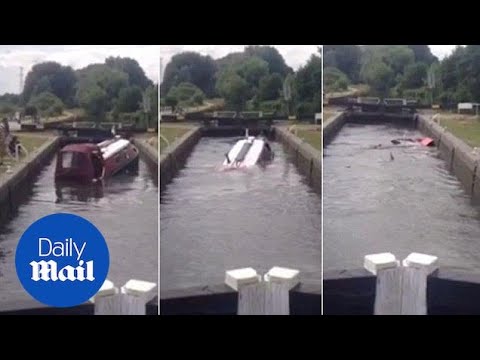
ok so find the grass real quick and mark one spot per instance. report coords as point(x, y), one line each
point(466, 128)
point(31, 143)
point(170, 133)
point(353, 90)
point(208, 105)
point(309, 134)
point(66, 115)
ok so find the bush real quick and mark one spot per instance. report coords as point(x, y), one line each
point(31, 110)
point(335, 80)
point(7, 109)
point(47, 103)
point(186, 94)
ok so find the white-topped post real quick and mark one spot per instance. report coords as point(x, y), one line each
point(135, 295)
point(106, 300)
point(388, 290)
point(251, 292)
point(416, 268)
point(279, 281)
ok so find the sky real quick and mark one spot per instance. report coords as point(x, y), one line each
point(441, 51)
point(12, 57)
point(294, 55)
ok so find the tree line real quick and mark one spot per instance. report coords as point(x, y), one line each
point(257, 78)
point(110, 89)
point(409, 71)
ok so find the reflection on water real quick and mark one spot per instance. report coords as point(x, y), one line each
point(395, 199)
point(212, 220)
point(124, 208)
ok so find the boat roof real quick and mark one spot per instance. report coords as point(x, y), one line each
point(114, 147)
point(82, 148)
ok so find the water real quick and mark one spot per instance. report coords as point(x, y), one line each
point(124, 210)
point(411, 204)
point(212, 221)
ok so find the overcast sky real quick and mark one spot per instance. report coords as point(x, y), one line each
point(76, 56)
point(294, 55)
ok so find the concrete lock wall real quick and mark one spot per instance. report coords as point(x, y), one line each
point(306, 157)
point(13, 186)
point(176, 154)
point(149, 154)
point(332, 127)
point(459, 156)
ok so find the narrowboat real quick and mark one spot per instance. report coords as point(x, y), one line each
point(248, 152)
point(89, 162)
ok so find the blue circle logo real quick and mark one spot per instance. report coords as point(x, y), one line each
point(62, 260)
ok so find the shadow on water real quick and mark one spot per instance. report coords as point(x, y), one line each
point(123, 208)
point(395, 199)
point(212, 220)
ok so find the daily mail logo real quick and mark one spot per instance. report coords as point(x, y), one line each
point(62, 260)
point(49, 270)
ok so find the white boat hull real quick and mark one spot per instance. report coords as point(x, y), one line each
point(247, 153)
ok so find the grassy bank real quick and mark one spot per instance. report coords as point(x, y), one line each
point(464, 127)
point(310, 134)
point(30, 141)
point(168, 134)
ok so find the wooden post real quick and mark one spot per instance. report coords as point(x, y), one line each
point(251, 292)
point(278, 282)
point(416, 269)
point(134, 297)
point(388, 289)
point(106, 300)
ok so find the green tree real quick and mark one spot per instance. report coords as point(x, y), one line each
point(129, 99)
point(398, 57)
point(93, 99)
point(136, 75)
point(379, 76)
point(234, 89)
point(334, 79)
point(190, 67)
point(309, 82)
point(108, 79)
point(415, 76)
point(344, 57)
point(276, 62)
point(185, 92)
point(252, 70)
point(53, 77)
point(423, 54)
point(47, 104)
point(270, 87)
point(171, 101)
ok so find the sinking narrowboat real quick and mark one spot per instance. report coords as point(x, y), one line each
point(89, 162)
point(248, 152)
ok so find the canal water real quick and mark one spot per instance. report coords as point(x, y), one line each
point(125, 210)
point(395, 199)
point(213, 221)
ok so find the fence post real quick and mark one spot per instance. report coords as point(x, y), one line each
point(388, 290)
point(278, 283)
point(134, 296)
point(251, 292)
point(416, 269)
point(106, 300)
